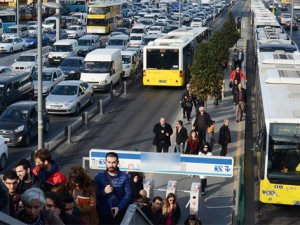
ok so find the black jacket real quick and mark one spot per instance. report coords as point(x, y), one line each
point(161, 136)
point(236, 96)
point(224, 135)
point(208, 121)
point(181, 136)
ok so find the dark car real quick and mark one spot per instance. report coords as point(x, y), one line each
point(19, 123)
point(71, 67)
point(31, 41)
point(51, 34)
point(288, 25)
point(297, 17)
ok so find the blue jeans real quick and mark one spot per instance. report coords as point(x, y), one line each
point(180, 148)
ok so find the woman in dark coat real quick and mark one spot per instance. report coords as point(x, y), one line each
point(171, 210)
point(224, 137)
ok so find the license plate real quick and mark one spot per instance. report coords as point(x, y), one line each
point(56, 60)
point(94, 86)
point(55, 108)
point(162, 81)
point(7, 139)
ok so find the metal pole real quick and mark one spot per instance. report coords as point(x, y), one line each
point(179, 13)
point(40, 82)
point(214, 12)
point(18, 16)
point(292, 17)
point(57, 23)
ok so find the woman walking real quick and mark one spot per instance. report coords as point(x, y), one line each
point(204, 152)
point(171, 210)
point(193, 143)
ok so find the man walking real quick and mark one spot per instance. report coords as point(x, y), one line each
point(224, 137)
point(23, 170)
point(163, 132)
point(202, 122)
point(113, 190)
point(240, 57)
point(240, 100)
point(181, 137)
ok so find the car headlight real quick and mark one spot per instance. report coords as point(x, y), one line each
point(50, 55)
point(70, 103)
point(65, 55)
point(103, 82)
point(19, 129)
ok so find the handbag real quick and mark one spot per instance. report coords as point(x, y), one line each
point(230, 84)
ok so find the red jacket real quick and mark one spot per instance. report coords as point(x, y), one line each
point(233, 73)
point(56, 178)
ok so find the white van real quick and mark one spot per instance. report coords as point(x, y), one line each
point(102, 68)
point(130, 63)
point(62, 49)
point(138, 29)
point(81, 18)
point(119, 41)
point(49, 23)
point(12, 31)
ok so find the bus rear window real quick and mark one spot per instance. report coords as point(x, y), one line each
point(167, 59)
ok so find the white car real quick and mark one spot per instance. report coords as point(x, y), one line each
point(68, 97)
point(32, 29)
point(26, 62)
point(50, 76)
point(155, 30)
point(136, 41)
point(12, 44)
point(3, 152)
point(197, 22)
point(75, 31)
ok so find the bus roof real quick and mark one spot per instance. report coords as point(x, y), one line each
point(172, 41)
point(102, 4)
point(188, 31)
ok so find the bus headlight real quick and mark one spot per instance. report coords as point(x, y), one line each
point(270, 193)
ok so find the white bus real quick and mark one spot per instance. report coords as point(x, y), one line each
point(278, 127)
point(167, 59)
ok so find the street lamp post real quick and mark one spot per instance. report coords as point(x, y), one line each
point(40, 65)
point(17, 16)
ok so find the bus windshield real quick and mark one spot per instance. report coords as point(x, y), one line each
point(163, 59)
point(284, 153)
point(96, 10)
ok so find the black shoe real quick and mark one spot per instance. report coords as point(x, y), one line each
point(184, 117)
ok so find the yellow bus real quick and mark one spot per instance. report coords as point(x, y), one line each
point(166, 60)
point(278, 127)
point(103, 18)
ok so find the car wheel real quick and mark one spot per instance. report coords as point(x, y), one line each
point(26, 141)
point(11, 50)
point(77, 111)
point(3, 161)
point(92, 100)
point(47, 127)
point(23, 48)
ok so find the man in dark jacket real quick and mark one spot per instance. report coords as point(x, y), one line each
point(181, 137)
point(163, 132)
point(224, 137)
point(202, 122)
point(154, 211)
point(240, 100)
point(113, 190)
point(23, 170)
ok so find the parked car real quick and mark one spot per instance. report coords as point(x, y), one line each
point(5, 70)
point(3, 153)
point(50, 76)
point(68, 97)
point(75, 31)
point(19, 123)
point(12, 44)
point(71, 67)
point(26, 62)
point(32, 29)
point(31, 41)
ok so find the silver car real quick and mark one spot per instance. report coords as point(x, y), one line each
point(69, 96)
point(50, 76)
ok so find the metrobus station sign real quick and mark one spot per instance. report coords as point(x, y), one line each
point(165, 163)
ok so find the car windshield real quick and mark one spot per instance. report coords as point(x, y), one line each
point(26, 58)
point(14, 114)
point(136, 38)
point(52, 32)
point(147, 40)
point(72, 28)
point(12, 30)
point(70, 62)
point(115, 42)
point(62, 48)
point(84, 42)
point(97, 67)
point(65, 90)
point(32, 28)
point(46, 76)
point(121, 30)
point(6, 41)
point(126, 59)
point(49, 21)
